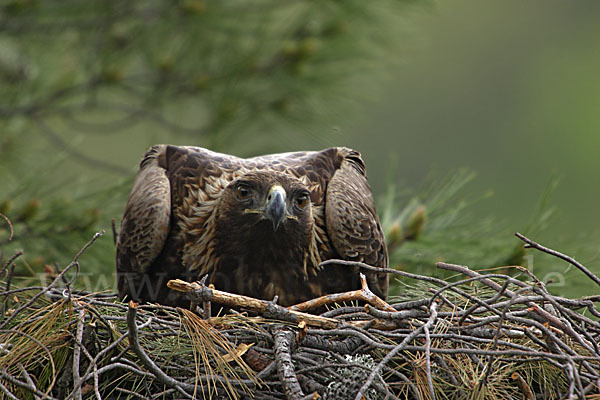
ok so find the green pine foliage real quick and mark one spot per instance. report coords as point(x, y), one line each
point(438, 223)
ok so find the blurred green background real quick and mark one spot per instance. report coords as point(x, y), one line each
point(508, 90)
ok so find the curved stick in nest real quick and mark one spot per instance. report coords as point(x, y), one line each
point(363, 294)
point(199, 292)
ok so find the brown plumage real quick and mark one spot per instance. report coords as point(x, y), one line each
point(258, 226)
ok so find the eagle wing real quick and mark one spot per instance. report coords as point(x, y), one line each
point(146, 222)
point(170, 181)
point(351, 219)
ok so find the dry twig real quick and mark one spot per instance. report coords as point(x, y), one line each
point(199, 292)
point(283, 339)
point(362, 294)
point(531, 244)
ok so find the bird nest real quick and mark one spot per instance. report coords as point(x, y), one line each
point(478, 336)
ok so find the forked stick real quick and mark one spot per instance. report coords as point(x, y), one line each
point(362, 294)
point(199, 292)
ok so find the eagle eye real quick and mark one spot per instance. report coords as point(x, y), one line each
point(243, 193)
point(302, 201)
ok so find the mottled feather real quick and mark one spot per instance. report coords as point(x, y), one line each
point(182, 221)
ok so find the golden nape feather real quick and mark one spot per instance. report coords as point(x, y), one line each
point(258, 226)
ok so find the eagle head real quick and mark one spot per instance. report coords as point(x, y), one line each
point(264, 198)
point(265, 217)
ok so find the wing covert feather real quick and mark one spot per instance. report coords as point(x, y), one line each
point(352, 222)
point(145, 224)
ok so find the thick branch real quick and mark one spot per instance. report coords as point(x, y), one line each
point(200, 293)
point(283, 339)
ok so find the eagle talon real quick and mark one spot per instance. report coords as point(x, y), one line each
point(275, 299)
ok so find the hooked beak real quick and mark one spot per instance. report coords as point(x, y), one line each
point(275, 207)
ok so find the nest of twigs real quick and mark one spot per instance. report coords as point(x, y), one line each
point(486, 336)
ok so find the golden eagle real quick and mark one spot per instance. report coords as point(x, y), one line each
point(258, 227)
